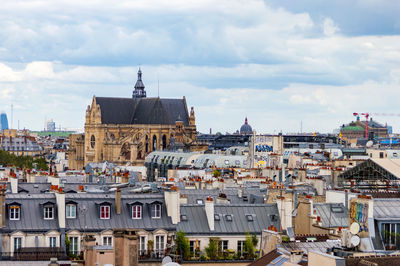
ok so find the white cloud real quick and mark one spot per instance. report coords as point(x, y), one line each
point(329, 27)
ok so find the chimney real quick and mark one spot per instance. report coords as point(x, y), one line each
point(125, 247)
point(60, 199)
point(14, 184)
point(209, 206)
point(118, 200)
point(172, 202)
point(89, 253)
point(296, 256)
point(2, 205)
point(240, 192)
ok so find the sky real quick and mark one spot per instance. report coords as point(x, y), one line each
point(286, 65)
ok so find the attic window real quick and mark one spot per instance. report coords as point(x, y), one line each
point(228, 217)
point(337, 209)
point(249, 218)
point(199, 201)
point(183, 217)
point(216, 217)
point(273, 217)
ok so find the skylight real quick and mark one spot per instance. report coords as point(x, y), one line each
point(249, 217)
point(228, 217)
point(216, 217)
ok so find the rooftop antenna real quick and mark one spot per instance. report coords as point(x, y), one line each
point(158, 86)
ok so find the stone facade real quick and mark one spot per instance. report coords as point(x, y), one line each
point(125, 130)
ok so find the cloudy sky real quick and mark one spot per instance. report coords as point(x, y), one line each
point(278, 62)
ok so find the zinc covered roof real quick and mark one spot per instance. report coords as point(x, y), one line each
point(390, 165)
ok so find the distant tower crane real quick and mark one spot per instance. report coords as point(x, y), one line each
point(366, 122)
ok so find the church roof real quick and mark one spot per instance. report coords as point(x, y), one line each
point(153, 111)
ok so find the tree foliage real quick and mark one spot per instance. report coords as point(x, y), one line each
point(212, 248)
point(182, 245)
point(20, 161)
point(249, 246)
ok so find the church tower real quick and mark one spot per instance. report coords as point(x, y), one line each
point(139, 91)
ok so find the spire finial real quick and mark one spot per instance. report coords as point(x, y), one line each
point(245, 121)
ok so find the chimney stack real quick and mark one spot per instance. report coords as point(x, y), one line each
point(172, 202)
point(209, 206)
point(2, 206)
point(14, 184)
point(118, 200)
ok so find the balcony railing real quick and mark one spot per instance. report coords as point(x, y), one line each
point(151, 255)
point(34, 254)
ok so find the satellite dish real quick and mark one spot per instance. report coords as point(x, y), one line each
point(354, 228)
point(355, 241)
point(369, 144)
point(166, 259)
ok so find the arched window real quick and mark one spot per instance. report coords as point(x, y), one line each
point(147, 144)
point(164, 142)
point(154, 143)
point(92, 141)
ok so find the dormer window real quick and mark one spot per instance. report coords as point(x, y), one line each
point(70, 211)
point(105, 212)
point(136, 211)
point(15, 212)
point(156, 211)
point(48, 212)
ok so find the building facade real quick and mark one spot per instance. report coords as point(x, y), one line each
point(125, 130)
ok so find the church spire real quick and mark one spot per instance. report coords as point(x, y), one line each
point(139, 91)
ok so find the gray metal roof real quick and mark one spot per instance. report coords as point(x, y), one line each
point(90, 220)
point(309, 246)
point(31, 213)
point(142, 110)
point(253, 195)
point(331, 216)
point(196, 222)
point(388, 209)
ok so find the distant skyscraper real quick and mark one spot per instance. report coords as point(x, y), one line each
point(51, 125)
point(3, 121)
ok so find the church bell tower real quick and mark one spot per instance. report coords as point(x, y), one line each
point(139, 91)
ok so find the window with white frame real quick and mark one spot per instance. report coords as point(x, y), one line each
point(160, 244)
point(390, 235)
point(107, 240)
point(15, 211)
point(17, 243)
point(70, 211)
point(223, 245)
point(193, 246)
point(104, 212)
point(48, 212)
point(156, 211)
point(73, 245)
point(240, 246)
point(142, 245)
point(53, 241)
point(137, 212)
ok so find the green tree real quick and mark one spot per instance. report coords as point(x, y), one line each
point(212, 248)
point(249, 246)
point(216, 173)
point(182, 245)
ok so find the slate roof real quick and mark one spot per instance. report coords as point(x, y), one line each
point(31, 213)
point(321, 246)
point(197, 224)
point(387, 209)
point(253, 195)
point(90, 220)
point(32, 220)
point(153, 111)
point(329, 217)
